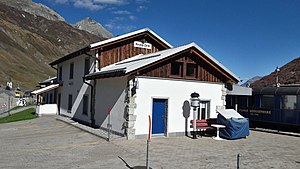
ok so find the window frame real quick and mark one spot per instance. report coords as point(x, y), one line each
point(284, 106)
point(87, 66)
point(60, 73)
point(180, 69)
point(85, 104)
point(71, 73)
point(70, 103)
point(195, 70)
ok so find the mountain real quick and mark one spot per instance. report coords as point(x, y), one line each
point(93, 27)
point(252, 80)
point(288, 74)
point(28, 43)
point(38, 9)
point(33, 8)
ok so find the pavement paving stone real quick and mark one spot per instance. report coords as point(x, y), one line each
point(46, 142)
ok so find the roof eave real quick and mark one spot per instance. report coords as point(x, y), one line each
point(69, 56)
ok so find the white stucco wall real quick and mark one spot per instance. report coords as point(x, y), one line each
point(76, 87)
point(177, 92)
point(111, 92)
point(46, 109)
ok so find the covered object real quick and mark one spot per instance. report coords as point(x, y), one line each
point(236, 125)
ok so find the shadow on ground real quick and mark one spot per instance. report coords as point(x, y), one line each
point(134, 167)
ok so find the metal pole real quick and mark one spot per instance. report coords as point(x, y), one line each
point(147, 155)
point(108, 124)
point(194, 122)
point(148, 141)
point(238, 161)
point(8, 106)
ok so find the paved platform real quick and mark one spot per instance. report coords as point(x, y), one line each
point(49, 143)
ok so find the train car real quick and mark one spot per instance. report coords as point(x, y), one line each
point(269, 107)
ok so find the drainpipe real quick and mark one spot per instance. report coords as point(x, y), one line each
point(92, 107)
point(93, 91)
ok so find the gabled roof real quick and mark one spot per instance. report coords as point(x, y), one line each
point(134, 63)
point(45, 89)
point(93, 45)
point(107, 42)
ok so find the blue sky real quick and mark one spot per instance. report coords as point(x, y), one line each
point(249, 37)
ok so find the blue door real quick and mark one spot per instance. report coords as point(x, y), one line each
point(159, 116)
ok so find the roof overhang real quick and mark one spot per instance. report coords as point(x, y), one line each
point(111, 41)
point(45, 89)
point(240, 90)
point(140, 62)
point(129, 35)
point(105, 74)
point(70, 56)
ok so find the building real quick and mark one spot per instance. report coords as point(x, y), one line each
point(136, 75)
point(46, 97)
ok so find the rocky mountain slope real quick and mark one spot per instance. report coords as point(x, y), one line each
point(33, 8)
point(29, 42)
point(288, 74)
point(93, 27)
point(252, 80)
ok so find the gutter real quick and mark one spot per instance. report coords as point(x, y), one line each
point(53, 67)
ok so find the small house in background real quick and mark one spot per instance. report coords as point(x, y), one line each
point(46, 97)
point(136, 75)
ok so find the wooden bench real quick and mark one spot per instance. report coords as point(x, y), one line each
point(202, 127)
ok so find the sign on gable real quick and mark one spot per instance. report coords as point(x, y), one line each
point(142, 45)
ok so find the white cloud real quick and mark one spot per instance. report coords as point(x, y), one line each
point(88, 4)
point(93, 4)
point(141, 8)
point(141, 1)
point(126, 28)
point(122, 12)
point(112, 2)
point(61, 1)
point(131, 17)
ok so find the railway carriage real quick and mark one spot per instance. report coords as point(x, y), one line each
point(269, 107)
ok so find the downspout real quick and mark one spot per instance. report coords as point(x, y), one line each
point(93, 92)
point(92, 107)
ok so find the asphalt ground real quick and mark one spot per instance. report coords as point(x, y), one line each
point(49, 143)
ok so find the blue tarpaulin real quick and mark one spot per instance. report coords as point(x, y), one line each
point(236, 126)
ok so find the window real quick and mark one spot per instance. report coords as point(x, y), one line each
point(176, 68)
point(71, 70)
point(58, 104)
point(85, 105)
point(267, 101)
point(70, 103)
point(50, 101)
point(289, 102)
point(60, 73)
point(204, 110)
point(86, 66)
point(191, 70)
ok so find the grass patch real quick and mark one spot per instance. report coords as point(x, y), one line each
point(23, 115)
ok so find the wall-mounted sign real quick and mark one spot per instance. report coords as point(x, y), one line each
point(142, 45)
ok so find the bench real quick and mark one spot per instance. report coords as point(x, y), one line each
point(202, 127)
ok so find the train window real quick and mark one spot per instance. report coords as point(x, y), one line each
point(267, 101)
point(242, 101)
point(288, 102)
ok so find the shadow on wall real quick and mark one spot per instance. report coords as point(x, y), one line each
point(186, 108)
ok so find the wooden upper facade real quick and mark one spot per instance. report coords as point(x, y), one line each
point(124, 49)
point(191, 63)
point(185, 62)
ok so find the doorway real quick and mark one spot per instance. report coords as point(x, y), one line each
point(204, 110)
point(159, 116)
